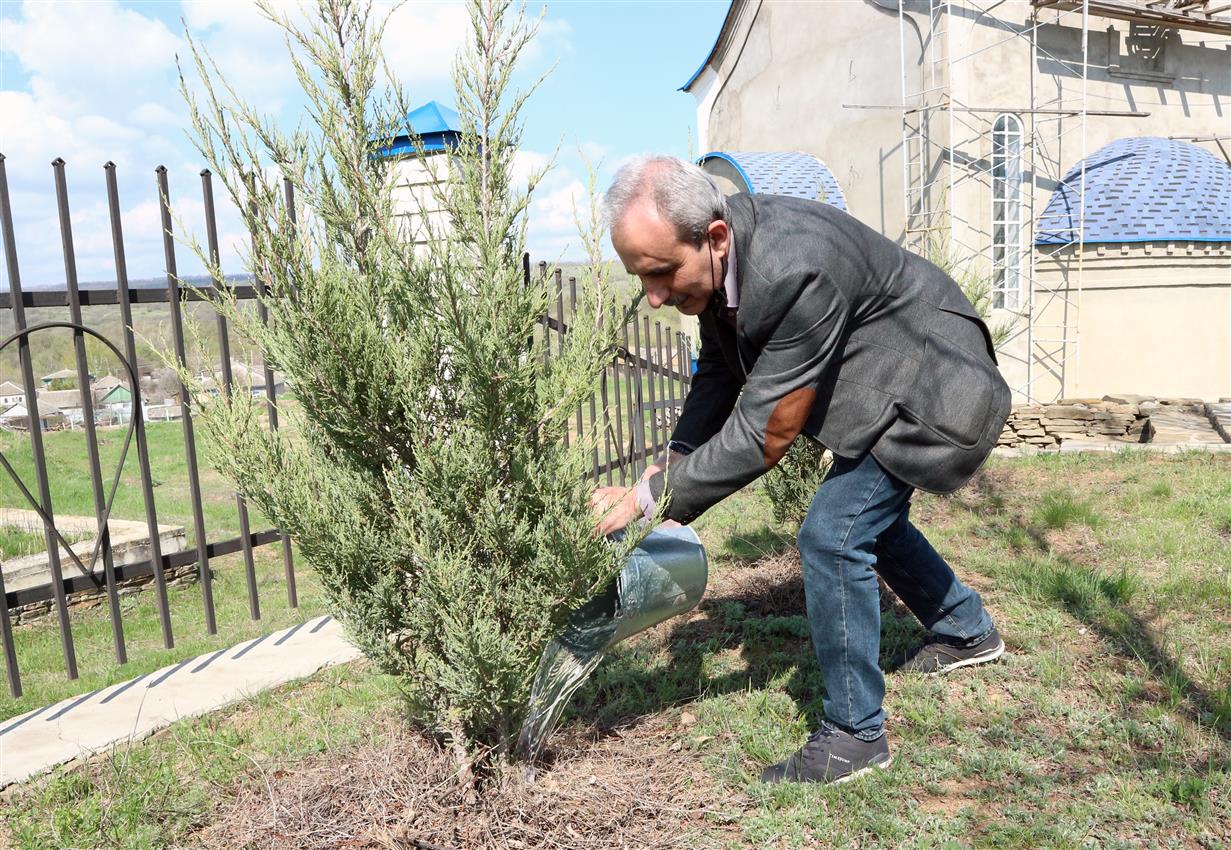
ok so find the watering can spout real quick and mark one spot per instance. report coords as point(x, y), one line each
point(664, 576)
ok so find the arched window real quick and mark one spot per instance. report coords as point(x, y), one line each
point(1006, 212)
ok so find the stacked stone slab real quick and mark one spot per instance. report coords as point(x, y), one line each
point(186, 574)
point(1046, 426)
point(1220, 417)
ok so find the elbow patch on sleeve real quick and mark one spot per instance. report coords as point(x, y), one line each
point(785, 423)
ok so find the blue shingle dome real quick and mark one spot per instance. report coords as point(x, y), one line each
point(436, 125)
point(1143, 189)
point(798, 175)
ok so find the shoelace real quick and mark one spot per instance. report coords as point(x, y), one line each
point(823, 732)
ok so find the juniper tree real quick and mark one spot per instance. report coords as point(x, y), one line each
point(792, 484)
point(427, 480)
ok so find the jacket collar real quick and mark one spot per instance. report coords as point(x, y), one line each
point(742, 218)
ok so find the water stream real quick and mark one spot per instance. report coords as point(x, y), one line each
point(664, 576)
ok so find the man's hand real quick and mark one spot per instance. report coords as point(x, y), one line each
point(614, 508)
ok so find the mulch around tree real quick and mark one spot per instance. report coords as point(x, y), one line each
point(632, 786)
point(614, 789)
point(637, 786)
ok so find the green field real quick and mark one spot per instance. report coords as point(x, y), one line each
point(15, 543)
point(1107, 724)
point(37, 643)
point(72, 492)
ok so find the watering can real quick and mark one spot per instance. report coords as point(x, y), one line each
point(664, 576)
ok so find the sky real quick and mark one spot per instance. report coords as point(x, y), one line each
point(95, 80)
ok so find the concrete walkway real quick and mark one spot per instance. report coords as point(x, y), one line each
point(46, 737)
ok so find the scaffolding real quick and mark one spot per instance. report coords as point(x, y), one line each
point(945, 135)
point(941, 128)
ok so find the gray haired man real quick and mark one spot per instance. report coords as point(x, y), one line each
point(813, 323)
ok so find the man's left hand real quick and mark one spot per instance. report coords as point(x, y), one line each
point(614, 508)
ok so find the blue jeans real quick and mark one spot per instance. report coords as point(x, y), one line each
point(861, 512)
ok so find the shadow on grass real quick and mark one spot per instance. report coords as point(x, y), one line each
point(766, 541)
point(750, 638)
point(1101, 601)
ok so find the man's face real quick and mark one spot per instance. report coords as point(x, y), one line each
point(672, 271)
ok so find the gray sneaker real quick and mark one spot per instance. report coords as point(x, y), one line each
point(934, 657)
point(830, 756)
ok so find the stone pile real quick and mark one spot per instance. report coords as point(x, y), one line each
point(1220, 417)
point(1117, 418)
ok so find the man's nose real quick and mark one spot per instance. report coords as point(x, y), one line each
point(657, 295)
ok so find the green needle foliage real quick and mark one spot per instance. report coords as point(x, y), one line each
point(427, 480)
point(792, 484)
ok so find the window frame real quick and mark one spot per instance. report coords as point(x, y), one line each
point(1007, 229)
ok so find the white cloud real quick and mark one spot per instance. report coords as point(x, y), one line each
point(525, 163)
point(248, 48)
point(554, 37)
point(154, 115)
point(101, 85)
point(421, 40)
point(84, 53)
point(552, 232)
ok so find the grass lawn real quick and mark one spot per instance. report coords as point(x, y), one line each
point(39, 655)
point(15, 543)
point(1107, 724)
point(72, 492)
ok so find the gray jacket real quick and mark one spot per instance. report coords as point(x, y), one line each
point(845, 336)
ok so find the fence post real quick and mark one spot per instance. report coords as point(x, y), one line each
point(652, 448)
point(224, 355)
point(632, 391)
point(560, 341)
point(619, 412)
point(665, 388)
point(36, 435)
point(190, 446)
point(138, 412)
point(27, 372)
point(87, 410)
point(271, 398)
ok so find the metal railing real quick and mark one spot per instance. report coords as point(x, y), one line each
point(634, 409)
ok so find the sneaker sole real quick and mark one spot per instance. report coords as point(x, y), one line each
point(982, 658)
point(876, 765)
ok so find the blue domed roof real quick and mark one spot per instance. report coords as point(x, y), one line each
point(798, 175)
point(436, 125)
point(1143, 189)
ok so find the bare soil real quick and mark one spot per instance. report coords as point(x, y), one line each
point(611, 790)
point(636, 786)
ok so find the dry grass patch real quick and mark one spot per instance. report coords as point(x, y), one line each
point(634, 787)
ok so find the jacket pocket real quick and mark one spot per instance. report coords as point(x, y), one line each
point(954, 389)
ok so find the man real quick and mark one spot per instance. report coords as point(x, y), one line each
point(812, 322)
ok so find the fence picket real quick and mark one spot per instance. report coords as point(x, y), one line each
point(137, 411)
point(228, 381)
point(190, 445)
point(87, 412)
point(271, 399)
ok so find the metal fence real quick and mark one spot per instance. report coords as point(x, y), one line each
point(633, 409)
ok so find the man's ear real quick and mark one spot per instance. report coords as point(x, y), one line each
point(719, 235)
